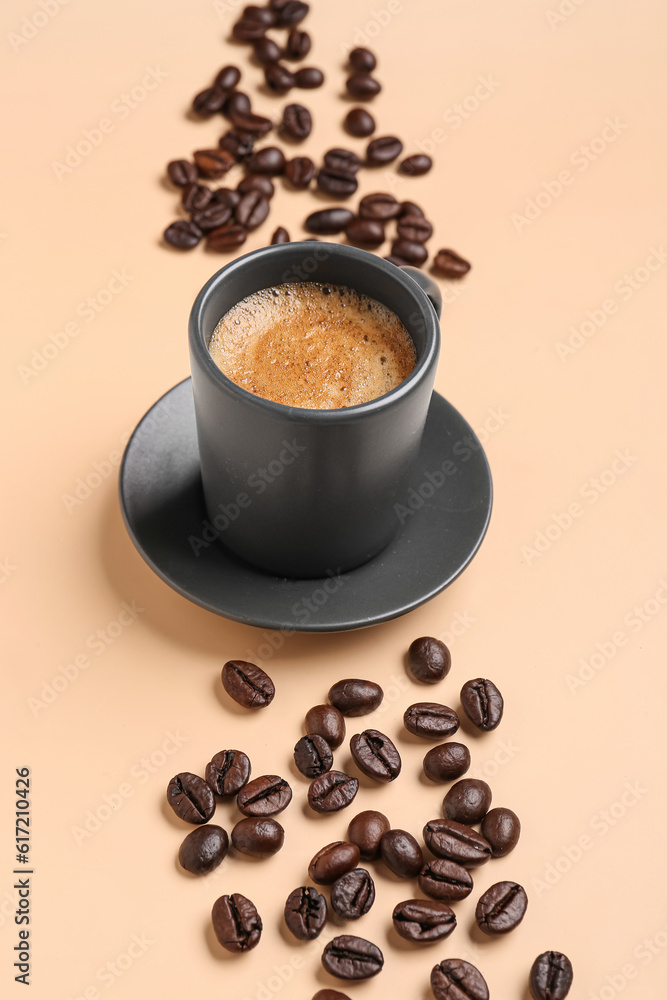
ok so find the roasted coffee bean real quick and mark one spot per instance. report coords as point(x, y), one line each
point(239, 144)
point(291, 13)
point(247, 122)
point(181, 172)
point(468, 801)
point(332, 791)
point(383, 150)
point(195, 197)
point(415, 228)
point(423, 920)
point(444, 879)
point(262, 14)
point(501, 908)
point(258, 836)
point(237, 103)
point(236, 922)
point(375, 755)
point(410, 208)
point(333, 861)
point(359, 122)
point(190, 798)
point(551, 976)
point(228, 77)
point(203, 849)
point(305, 913)
point(325, 720)
point(297, 121)
point(414, 253)
point(300, 171)
point(378, 206)
point(252, 209)
point(245, 682)
point(353, 894)
point(401, 853)
point(456, 842)
point(356, 697)
point(362, 86)
point(334, 184)
point(502, 829)
point(248, 30)
point(350, 957)
point(326, 222)
point(415, 165)
point(209, 101)
point(213, 162)
point(298, 44)
point(226, 237)
point(227, 772)
point(447, 761)
point(270, 161)
point(227, 197)
point(278, 78)
point(342, 161)
point(365, 232)
point(429, 660)
point(483, 703)
point(455, 979)
point(313, 756)
point(308, 78)
point(366, 831)
point(264, 796)
point(212, 216)
point(256, 182)
point(450, 265)
point(182, 235)
point(330, 995)
point(398, 261)
point(266, 51)
point(430, 720)
point(362, 60)
point(280, 236)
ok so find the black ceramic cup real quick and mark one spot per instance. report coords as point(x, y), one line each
point(302, 492)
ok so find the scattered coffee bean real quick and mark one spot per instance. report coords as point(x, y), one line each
point(350, 957)
point(429, 660)
point(258, 836)
point(423, 920)
point(456, 842)
point(455, 979)
point(227, 197)
point(401, 853)
point(236, 922)
point(444, 879)
point(300, 171)
point(214, 215)
point(247, 122)
point(375, 755)
point(256, 182)
point(378, 206)
point(483, 703)
point(326, 222)
point(266, 51)
point(252, 209)
point(309, 77)
point(362, 86)
point(239, 144)
point(383, 150)
point(502, 829)
point(414, 253)
point(340, 185)
point(226, 237)
point(298, 44)
point(245, 682)
point(415, 165)
point(305, 913)
point(430, 720)
point(366, 831)
point(203, 849)
point(190, 798)
point(468, 801)
point(297, 121)
point(237, 103)
point(209, 101)
point(501, 908)
point(228, 77)
point(450, 265)
point(362, 60)
point(447, 761)
point(291, 13)
point(181, 172)
point(551, 976)
point(270, 161)
point(410, 208)
point(248, 30)
point(182, 235)
point(325, 720)
point(213, 162)
point(264, 796)
point(332, 791)
point(262, 14)
point(333, 861)
point(227, 772)
point(280, 236)
point(354, 697)
point(195, 197)
point(313, 756)
point(359, 122)
point(365, 232)
point(415, 228)
point(342, 161)
point(353, 894)
point(279, 78)
point(330, 995)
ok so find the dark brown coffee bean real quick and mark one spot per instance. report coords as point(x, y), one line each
point(209, 101)
point(261, 14)
point(444, 879)
point(429, 660)
point(195, 197)
point(330, 995)
point(305, 913)
point(300, 171)
point(383, 150)
point(423, 920)
point(414, 253)
point(325, 720)
point(227, 772)
point(227, 197)
point(353, 894)
point(468, 801)
point(447, 762)
point(551, 976)
point(297, 121)
point(483, 703)
point(333, 861)
point(501, 908)
point(252, 209)
point(375, 755)
point(266, 51)
point(236, 922)
point(450, 265)
point(350, 957)
point(213, 162)
point(415, 228)
point(502, 829)
point(256, 182)
point(270, 161)
point(246, 683)
point(378, 206)
point(182, 235)
point(354, 697)
point(264, 796)
point(258, 836)
point(309, 77)
point(456, 842)
point(415, 165)
point(247, 122)
point(410, 208)
point(455, 979)
point(278, 78)
point(227, 237)
point(239, 144)
point(298, 44)
point(365, 232)
point(237, 103)
point(362, 86)
point(334, 184)
point(190, 798)
point(203, 849)
point(248, 30)
point(341, 161)
point(398, 261)
point(228, 77)
point(280, 236)
point(359, 122)
point(362, 60)
point(212, 216)
point(366, 831)
point(401, 853)
point(181, 172)
point(430, 720)
point(291, 13)
point(326, 222)
point(313, 756)
point(332, 791)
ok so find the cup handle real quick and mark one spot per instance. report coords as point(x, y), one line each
point(428, 286)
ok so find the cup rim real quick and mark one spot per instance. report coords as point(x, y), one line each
point(388, 399)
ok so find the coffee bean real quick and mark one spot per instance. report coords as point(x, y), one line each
point(266, 51)
point(359, 122)
point(330, 995)
point(245, 682)
point(297, 121)
point(227, 772)
point(182, 235)
point(444, 879)
point(237, 103)
point(270, 161)
point(236, 922)
point(227, 197)
point(212, 216)
point(398, 261)
point(313, 756)
point(256, 182)
point(305, 913)
point(195, 197)
point(309, 77)
point(375, 755)
point(300, 171)
point(261, 14)
point(383, 150)
point(278, 78)
point(362, 86)
point(298, 44)
point(326, 222)
point(423, 920)
point(350, 957)
point(239, 144)
point(483, 703)
point(456, 842)
point(333, 861)
point(429, 660)
point(203, 849)
point(209, 101)
point(248, 30)
point(365, 232)
point(430, 720)
point(325, 720)
point(502, 829)
point(414, 253)
point(190, 798)
point(378, 206)
point(258, 836)
point(467, 801)
point(264, 796)
point(356, 697)
point(415, 165)
point(247, 122)
point(332, 791)
point(280, 236)
point(228, 77)
point(341, 161)
point(551, 976)
point(366, 831)
point(226, 237)
point(455, 979)
point(501, 908)
point(447, 761)
point(342, 185)
point(291, 13)
point(401, 853)
point(410, 208)
point(415, 228)
point(181, 172)
point(213, 162)
point(362, 60)
point(353, 894)
point(449, 264)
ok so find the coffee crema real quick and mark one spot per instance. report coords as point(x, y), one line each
point(313, 345)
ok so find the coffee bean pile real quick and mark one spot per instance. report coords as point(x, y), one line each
point(468, 834)
point(223, 216)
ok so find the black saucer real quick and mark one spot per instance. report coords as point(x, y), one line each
point(163, 506)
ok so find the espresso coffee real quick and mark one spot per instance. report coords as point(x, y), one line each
point(313, 345)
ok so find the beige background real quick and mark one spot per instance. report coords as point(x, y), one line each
point(580, 754)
